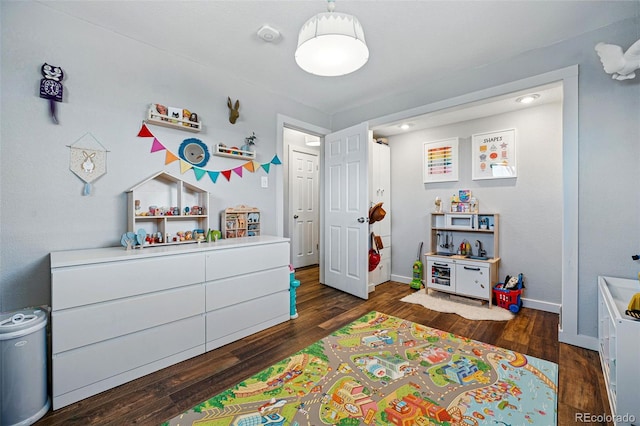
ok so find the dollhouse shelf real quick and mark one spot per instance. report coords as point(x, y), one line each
point(153, 117)
point(232, 152)
point(163, 190)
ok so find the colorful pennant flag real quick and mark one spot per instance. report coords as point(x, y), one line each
point(156, 146)
point(144, 132)
point(251, 165)
point(169, 158)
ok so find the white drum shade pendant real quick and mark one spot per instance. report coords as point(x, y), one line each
point(331, 44)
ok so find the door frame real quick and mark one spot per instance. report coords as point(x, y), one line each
point(568, 329)
point(290, 192)
point(282, 202)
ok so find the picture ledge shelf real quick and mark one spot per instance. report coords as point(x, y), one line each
point(233, 152)
point(153, 117)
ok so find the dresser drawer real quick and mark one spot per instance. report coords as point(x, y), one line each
point(239, 261)
point(73, 328)
point(232, 319)
point(230, 291)
point(90, 364)
point(83, 285)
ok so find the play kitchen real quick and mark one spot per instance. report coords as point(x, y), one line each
point(463, 257)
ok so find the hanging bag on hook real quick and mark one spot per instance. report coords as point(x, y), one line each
point(374, 256)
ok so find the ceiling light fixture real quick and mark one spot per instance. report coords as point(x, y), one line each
point(405, 126)
point(331, 44)
point(527, 99)
point(312, 141)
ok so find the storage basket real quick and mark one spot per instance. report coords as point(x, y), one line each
point(509, 298)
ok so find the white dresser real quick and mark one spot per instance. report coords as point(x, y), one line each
point(619, 347)
point(118, 315)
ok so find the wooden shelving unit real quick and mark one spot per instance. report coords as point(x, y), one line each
point(153, 117)
point(233, 152)
point(241, 221)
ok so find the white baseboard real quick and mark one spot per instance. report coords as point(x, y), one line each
point(540, 305)
point(401, 279)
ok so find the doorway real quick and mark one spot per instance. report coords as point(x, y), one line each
point(302, 187)
point(304, 204)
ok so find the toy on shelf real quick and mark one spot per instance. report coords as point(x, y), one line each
point(463, 202)
point(241, 221)
point(177, 118)
point(222, 150)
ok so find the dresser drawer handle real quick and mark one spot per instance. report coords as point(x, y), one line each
point(468, 268)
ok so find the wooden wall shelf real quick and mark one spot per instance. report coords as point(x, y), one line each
point(153, 117)
point(232, 152)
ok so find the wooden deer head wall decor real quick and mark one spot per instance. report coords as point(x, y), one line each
point(234, 112)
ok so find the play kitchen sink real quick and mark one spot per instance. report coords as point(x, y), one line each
point(477, 257)
point(463, 260)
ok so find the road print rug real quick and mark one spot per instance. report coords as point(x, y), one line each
point(383, 370)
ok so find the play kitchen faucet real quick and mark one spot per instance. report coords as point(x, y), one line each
point(481, 252)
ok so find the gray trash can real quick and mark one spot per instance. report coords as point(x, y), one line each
point(24, 398)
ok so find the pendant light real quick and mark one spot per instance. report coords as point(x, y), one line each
point(331, 44)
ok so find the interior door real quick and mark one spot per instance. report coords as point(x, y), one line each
point(346, 207)
point(304, 210)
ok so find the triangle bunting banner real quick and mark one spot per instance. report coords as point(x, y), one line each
point(184, 166)
point(144, 132)
point(199, 172)
point(251, 166)
point(169, 158)
point(156, 146)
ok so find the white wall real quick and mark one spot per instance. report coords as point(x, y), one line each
point(109, 82)
point(609, 148)
point(529, 205)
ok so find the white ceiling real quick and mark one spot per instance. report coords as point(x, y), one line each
point(409, 41)
point(484, 108)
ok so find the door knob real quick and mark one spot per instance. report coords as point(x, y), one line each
point(295, 216)
point(362, 220)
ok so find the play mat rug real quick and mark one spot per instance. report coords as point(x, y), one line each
point(384, 370)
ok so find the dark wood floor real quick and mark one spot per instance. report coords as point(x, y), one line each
point(160, 396)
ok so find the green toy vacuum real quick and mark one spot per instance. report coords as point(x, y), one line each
point(416, 282)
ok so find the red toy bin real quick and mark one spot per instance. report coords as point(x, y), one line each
point(508, 299)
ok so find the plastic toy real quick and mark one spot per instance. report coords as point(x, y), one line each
point(510, 297)
point(416, 282)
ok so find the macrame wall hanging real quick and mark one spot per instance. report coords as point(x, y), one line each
point(88, 160)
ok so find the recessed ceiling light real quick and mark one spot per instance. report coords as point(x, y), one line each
point(527, 99)
point(405, 126)
point(312, 141)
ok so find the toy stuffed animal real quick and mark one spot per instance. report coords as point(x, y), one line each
point(633, 310)
point(511, 283)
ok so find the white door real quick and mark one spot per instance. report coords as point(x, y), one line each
point(346, 211)
point(304, 210)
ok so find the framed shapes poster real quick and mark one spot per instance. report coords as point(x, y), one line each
point(494, 155)
point(440, 161)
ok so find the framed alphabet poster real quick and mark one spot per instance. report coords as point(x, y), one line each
point(493, 155)
point(440, 161)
